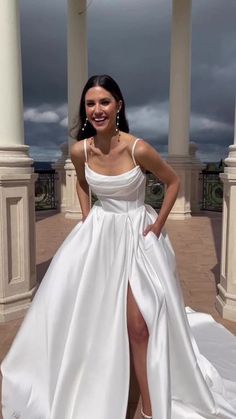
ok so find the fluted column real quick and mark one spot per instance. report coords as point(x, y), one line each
point(180, 74)
point(77, 76)
point(226, 299)
point(17, 225)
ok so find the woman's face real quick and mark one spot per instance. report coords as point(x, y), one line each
point(101, 109)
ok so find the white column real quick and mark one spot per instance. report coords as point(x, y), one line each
point(226, 299)
point(11, 81)
point(17, 226)
point(196, 182)
point(180, 74)
point(77, 77)
point(59, 166)
point(235, 124)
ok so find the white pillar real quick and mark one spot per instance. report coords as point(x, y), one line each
point(77, 77)
point(11, 80)
point(196, 182)
point(59, 166)
point(235, 124)
point(17, 226)
point(180, 74)
point(226, 299)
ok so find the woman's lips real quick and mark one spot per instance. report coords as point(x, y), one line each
point(99, 121)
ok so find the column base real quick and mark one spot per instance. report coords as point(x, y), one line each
point(59, 167)
point(17, 232)
point(73, 209)
point(226, 304)
point(15, 307)
point(181, 209)
point(73, 215)
point(175, 215)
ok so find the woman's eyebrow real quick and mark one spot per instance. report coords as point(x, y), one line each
point(100, 100)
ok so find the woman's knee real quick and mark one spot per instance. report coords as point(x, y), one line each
point(138, 331)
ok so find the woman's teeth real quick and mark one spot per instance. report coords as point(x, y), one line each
point(99, 119)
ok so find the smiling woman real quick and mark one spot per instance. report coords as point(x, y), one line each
point(109, 99)
point(112, 290)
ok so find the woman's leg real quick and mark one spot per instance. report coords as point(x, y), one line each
point(138, 337)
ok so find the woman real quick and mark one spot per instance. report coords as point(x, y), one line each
point(111, 150)
point(112, 283)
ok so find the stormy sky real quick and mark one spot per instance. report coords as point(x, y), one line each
point(130, 40)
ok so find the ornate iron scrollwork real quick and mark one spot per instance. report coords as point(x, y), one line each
point(212, 199)
point(45, 190)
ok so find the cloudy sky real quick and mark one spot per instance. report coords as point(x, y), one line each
point(130, 40)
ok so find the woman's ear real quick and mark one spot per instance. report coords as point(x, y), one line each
point(120, 105)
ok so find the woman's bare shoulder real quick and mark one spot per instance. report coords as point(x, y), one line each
point(129, 139)
point(143, 147)
point(77, 149)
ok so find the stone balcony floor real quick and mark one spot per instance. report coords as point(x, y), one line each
point(197, 244)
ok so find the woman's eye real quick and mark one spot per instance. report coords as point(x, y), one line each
point(90, 104)
point(105, 102)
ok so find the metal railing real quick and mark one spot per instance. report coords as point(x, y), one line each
point(212, 190)
point(45, 190)
point(155, 191)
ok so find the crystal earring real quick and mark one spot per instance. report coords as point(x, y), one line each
point(85, 124)
point(117, 121)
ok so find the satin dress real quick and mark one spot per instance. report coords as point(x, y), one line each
point(70, 358)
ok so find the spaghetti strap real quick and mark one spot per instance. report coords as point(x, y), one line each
point(133, 148)
point(85, 150)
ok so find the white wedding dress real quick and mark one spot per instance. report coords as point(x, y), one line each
point(70, 359)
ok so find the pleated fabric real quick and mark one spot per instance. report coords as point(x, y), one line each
point(70, 358)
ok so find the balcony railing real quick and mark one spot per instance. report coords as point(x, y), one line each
point(155, 191)
point(45, 196)
point(211, 200)
point(212, 191)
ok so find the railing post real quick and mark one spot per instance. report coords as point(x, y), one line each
point(226, 299)
point(196, 184)
point(59, 167)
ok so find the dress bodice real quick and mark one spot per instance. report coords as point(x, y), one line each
point(118, 193)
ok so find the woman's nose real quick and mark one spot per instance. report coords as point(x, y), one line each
point(97, 109)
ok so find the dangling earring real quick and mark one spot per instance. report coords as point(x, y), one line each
point(85, 124)
point(117, 121)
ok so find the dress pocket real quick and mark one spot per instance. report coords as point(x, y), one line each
point(149, 240)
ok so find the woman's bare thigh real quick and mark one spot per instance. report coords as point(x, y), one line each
point(135, 321)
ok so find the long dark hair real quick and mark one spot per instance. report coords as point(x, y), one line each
point(109, 84)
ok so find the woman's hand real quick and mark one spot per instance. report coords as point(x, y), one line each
point(154, 228)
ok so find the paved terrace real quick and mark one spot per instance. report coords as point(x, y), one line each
point(197, 244)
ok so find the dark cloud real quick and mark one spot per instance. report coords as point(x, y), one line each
point(45, 140)
point(131, 41)
point(214, 58)
point(43, 34)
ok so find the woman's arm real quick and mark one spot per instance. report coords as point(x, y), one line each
point(82, 187)
point(149, 159)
